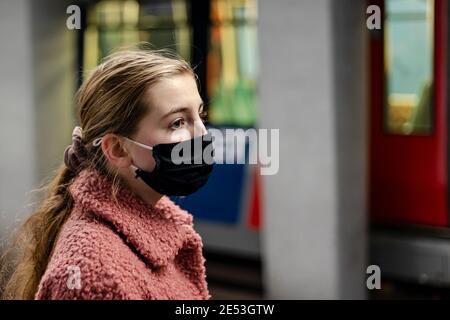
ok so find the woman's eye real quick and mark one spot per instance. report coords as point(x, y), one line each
point(177, 124)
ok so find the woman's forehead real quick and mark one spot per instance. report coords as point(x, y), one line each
point(179, 91)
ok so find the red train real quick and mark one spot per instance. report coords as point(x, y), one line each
point(409, 145)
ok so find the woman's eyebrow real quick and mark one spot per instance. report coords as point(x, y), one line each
point(179, 109)
point(175, 110)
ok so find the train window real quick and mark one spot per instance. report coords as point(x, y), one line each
point(231, 45)
point(408, 43)
point(118, 23)
point(232, 62)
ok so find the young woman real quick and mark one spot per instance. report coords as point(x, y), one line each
point(107, 229)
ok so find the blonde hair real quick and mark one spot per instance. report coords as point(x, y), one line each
point(110, 100)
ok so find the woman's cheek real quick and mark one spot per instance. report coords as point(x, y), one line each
point(178, 135)
point(145, 160)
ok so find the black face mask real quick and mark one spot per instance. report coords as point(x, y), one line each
point(173, 178)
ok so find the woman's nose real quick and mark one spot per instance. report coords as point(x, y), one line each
point(199, 129)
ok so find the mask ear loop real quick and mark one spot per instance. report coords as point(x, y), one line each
point(141, 145)
point(135, 169)
point(98, 141)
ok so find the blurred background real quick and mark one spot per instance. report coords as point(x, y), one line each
point(363, 119)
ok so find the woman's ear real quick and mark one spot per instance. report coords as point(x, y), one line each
point(114, 151)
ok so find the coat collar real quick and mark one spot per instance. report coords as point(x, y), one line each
point(156, 232)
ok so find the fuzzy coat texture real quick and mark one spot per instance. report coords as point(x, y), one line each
point(127, 251)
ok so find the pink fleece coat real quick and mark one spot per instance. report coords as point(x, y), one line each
point(132, 251)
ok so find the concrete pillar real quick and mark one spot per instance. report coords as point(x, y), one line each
point(17, 163)
point(37, 64)
point(312, 87)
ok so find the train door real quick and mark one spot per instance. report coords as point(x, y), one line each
point(408, 114)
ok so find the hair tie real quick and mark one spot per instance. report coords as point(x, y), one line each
point(75, 154)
